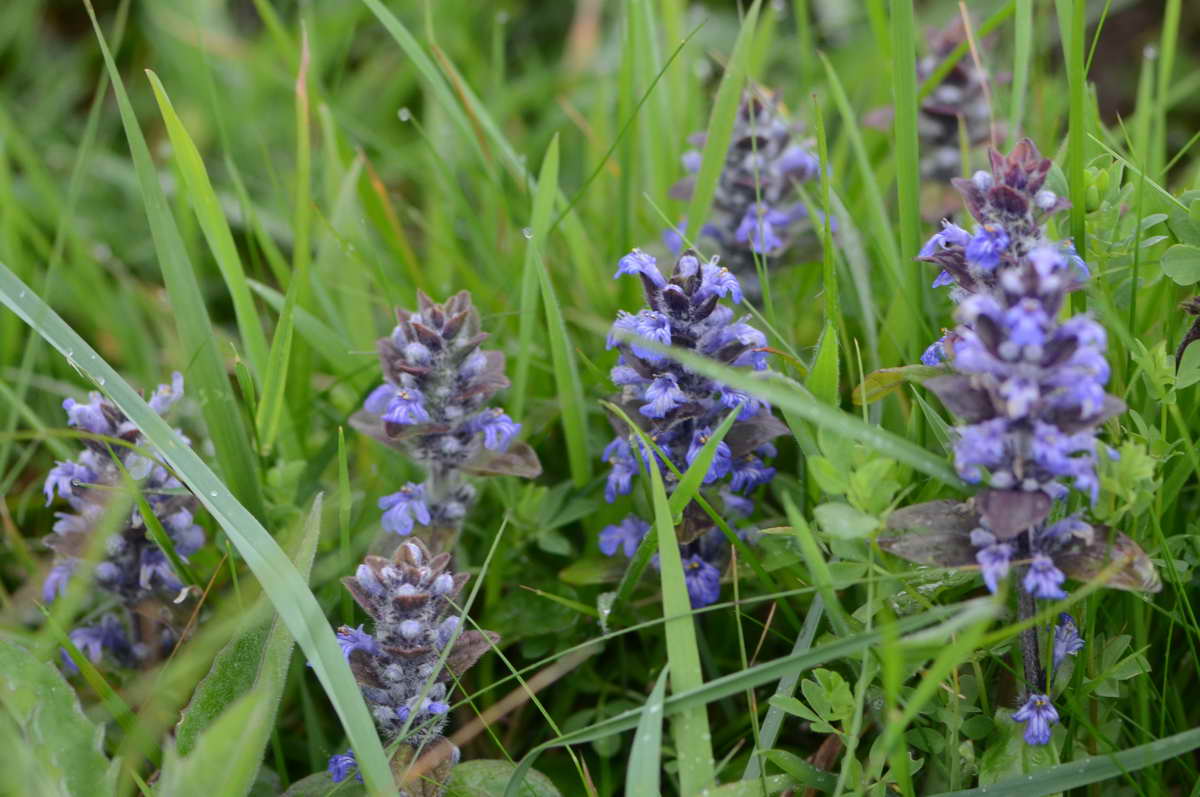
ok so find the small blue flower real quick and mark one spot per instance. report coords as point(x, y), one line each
point(719, 281)
point(88, 417)
point(638, 262)
point(662, 395)
point(626, 535)
point(985, 248)
point(749, 472)
point(155, 572)
point(722, 460)
point(799, 164)
point(341, 765)
point(1044, 579)
point(187, 536)
point(166, 395)
point(759, 228)
point(498, 429)
point(703, 581)
point(980, 445)
point(406, 407)
point(1067, 641)
point(352, 639)
point(993, 557)
point(93, 640)
point(950, 235)
point(57, 580)
point(624, 468)
point(691, 161)
point(62, 479)
point(936, 353)
point(1038, 714)
point(403, 507)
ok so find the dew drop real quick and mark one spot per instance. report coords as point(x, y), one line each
point(100, 381)
point(21, 295)
point(212, 494)
point(405, 115)
point(528, 233)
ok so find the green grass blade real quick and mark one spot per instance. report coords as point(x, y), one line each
point(641, 776)
point(210, 383)
point(693, 742)
point(211, 216)
point(908, 175)
point(285, 588)
point(566, 370)
point(1022, 55)
point(1071, 26)
point(720, 124)
point(1095, 769)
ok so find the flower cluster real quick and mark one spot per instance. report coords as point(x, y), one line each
point(679, 409)
point(755, 211)
point(958, 102)
point(433, 407)
point(1029, 388)
point(133, 570)
point(404, 664)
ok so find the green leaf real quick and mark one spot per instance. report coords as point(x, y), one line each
point(823, 379)
point(844, 522)
point(1083, 772)
point(256, 659)
point(286, 589)
point(487, 778)
point(209, 381)
point(801, 772)
point(211, 216)
point(1189, 368)
point(829, 477)
point(693, 740)
point(1182, 263)
point(720, 124)
point(566, 370)
point(641, 775)
point(221, 762)
point(60, 749)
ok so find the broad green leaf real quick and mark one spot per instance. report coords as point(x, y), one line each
point(645, 757)
point(255, 660)
point(286, 589)
point(800, 771)
point(844, 522)
point(222, 762)
point(1182, 263)
point(487, 778)
point(60, 750)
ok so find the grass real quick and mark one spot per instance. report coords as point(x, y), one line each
point(243, 191)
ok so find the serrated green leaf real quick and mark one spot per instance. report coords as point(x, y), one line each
point(61, 747)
